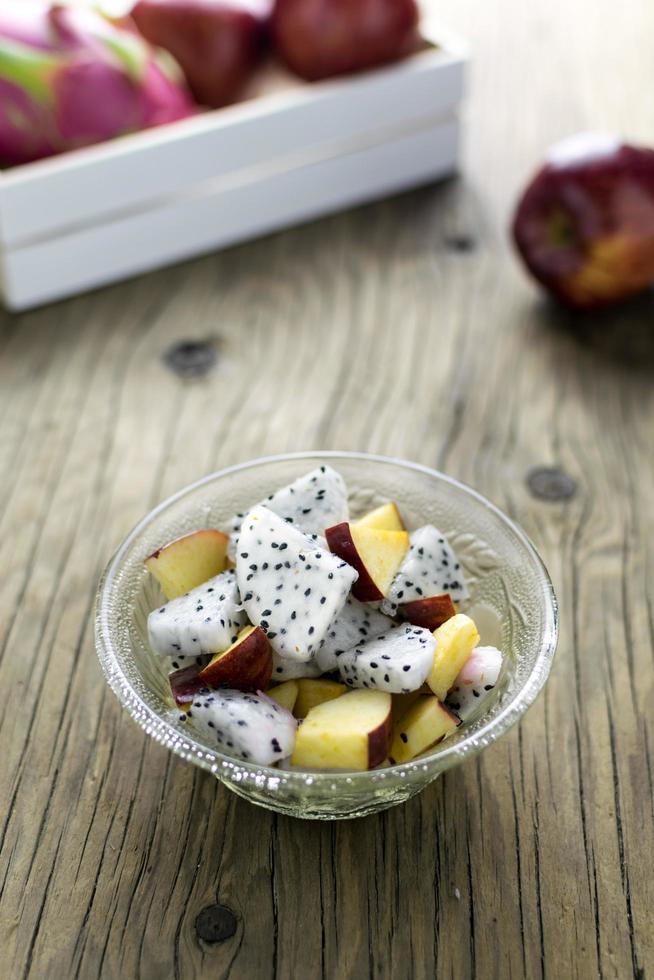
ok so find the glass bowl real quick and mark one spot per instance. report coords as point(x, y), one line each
point(512, 601)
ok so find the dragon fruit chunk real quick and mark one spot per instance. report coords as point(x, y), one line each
point(398, 661)
point(430, 568)
point(70, 77)
point(251, 727)
point(287, 669)
point(205, 620)
point(289, 588)
point(356, 622)
point(312, 503)
point(475, 681)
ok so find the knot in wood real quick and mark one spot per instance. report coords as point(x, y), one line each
point(550, 483)
point(460, 243)
point(191, 358)
point(215, 924)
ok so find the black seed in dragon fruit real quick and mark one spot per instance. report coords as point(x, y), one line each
point(251, 727)
point(356, 623)
point(203, 621)
point(398, 661)
point(312, 503)
point(183, 661)
point(475, 681)
point(289, 587)
point(285, 669)
point(430, 568)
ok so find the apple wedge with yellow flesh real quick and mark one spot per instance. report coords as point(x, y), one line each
point(375, 554)
point(402, 702)
point(314, 692)
point(284, 694)
point(350, 732)
point(430, 613)
point(187, 562)
point(455, 641)
point(246, 665)
point(425, 723)
point(384, 518)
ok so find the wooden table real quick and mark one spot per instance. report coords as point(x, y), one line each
point(403, 328)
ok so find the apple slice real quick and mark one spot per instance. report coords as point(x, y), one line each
point(425, 723)
point(187, 562)
point(284, 694)
point(185, 684)
point(429, 613)
point(384, 518)
point(350, 732)
point(455, 641)
point(402, 702)
point(314, 692)
point(246, 665)
point(375, 554)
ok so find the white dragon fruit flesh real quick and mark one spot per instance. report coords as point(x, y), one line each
point(285, 669)
point(205, 620)
point(312, 503)
point(356, 622)
point(475, 681)
point(251, 727)
point(398, 661)
point(289, 588)
point(430, 568)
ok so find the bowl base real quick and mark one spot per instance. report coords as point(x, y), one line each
point(343, 808)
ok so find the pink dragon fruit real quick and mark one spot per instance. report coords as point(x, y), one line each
point(475, 681)
point(69, 77)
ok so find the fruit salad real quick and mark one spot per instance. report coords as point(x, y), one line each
point(301, 637)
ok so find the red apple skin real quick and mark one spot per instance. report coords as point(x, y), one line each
point(379, 742)
point(185, 684)
point(321, 38)
point(217, 43)
point(339, 540)
point(585, 224)
point(430, 613)
point(247, 666)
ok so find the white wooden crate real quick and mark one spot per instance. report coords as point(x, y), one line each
point(288, 154)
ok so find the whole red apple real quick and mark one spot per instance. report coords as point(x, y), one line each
point(321, 38)
point(218, 43)
point(585, 224)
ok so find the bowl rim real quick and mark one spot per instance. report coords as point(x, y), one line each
point(443, 756)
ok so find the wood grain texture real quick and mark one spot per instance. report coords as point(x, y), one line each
point(372, 330)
